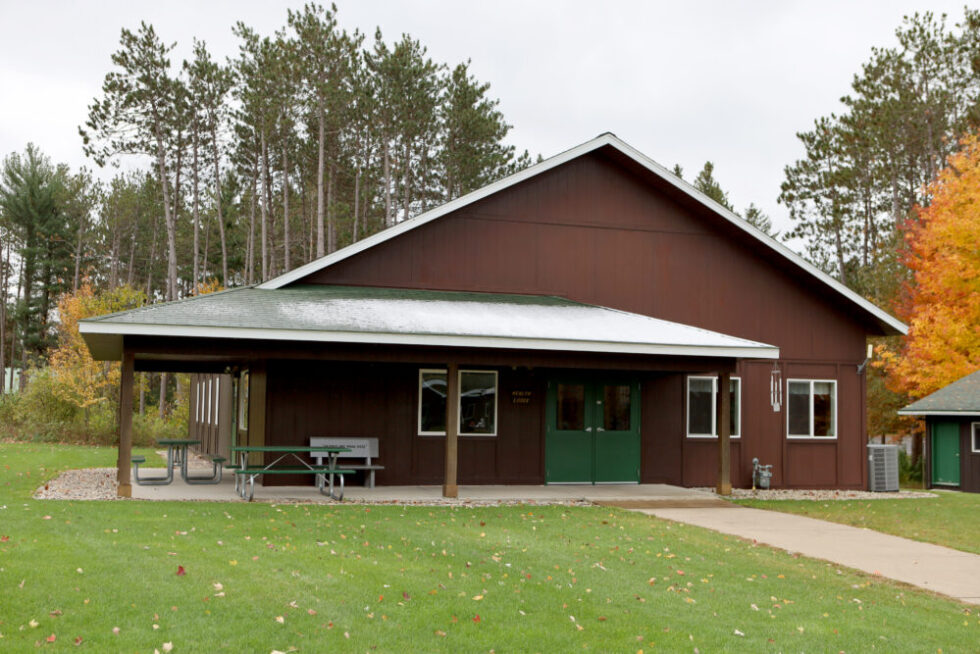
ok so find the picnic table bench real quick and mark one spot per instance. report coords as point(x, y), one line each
point(245, 474)
point(364, 448)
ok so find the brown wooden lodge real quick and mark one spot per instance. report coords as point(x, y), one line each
point(571, 323)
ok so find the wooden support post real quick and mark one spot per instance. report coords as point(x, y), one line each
point(125, 425)
point(256, 410)
point(449, 487)
point(724, 413)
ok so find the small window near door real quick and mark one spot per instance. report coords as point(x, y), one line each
point(702, 402)
point(571, 407)
point(975, 437)
point(812, 408)
point(477, 402)
point(616, 408)
point(432, 402)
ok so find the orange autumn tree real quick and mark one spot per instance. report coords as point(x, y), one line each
point(942, 305)
point(80, 379)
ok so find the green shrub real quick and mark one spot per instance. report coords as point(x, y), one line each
point(39, 413)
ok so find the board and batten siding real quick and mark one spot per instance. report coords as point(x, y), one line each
point(593, 231)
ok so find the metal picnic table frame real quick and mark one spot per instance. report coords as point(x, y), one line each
point(324, 476)
point(177, 456)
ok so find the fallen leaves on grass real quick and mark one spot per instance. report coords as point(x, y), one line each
point(180, 571)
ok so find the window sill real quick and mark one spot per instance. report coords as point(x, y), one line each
point(813, 439)
point(698, 437)
point(443, 435)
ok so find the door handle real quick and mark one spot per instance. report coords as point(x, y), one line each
point(599, 429)
point(589, 429)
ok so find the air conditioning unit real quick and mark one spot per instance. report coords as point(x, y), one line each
point(883, 468)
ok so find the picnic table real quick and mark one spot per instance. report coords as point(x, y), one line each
point(177, 456)
point(246, 474)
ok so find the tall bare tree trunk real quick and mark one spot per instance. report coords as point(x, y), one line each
point(321, 137)
point(387, 172)
point(406, 182)
point(285, 206)
point(163, 396)
point(217, 204)
point(151, 261)
point(331, 222)
point(207, 244)
point(250, 248)
point(143, 384)
point(357, 201)
point(114, 258)
point(306, 213)
point(168, 215)
point(130, 274)
point(197, 215)
point(265, 208)
point(78, 255)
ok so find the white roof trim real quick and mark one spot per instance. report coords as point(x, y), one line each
point(928, 412)
point(596, 143)
point(499, 342)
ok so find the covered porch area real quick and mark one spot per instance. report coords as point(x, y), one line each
point(460, 390)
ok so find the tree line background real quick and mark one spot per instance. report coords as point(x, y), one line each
point(314, 137)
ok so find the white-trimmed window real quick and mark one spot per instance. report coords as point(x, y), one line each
point(975, 438)
point(477, 402)
point(811, 408)
point(702, 400)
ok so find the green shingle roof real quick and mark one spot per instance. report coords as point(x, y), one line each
point(346, 314)
point(960, 397)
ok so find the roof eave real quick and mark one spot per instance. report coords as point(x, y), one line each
point(105, 341)
point(938, 412)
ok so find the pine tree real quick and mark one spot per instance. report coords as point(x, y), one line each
point(706, 183)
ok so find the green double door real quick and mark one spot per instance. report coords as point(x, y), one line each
point(946, 453)
point(592, 431)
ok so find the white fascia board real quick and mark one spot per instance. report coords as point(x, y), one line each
point(927, 412)
point(557, 160)
point(386, 338)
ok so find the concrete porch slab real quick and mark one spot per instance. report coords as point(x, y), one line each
point(646, 495)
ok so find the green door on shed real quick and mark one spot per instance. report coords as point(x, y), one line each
point(946, 453)
point(593, 432)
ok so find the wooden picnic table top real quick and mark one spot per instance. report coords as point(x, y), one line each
point(288, 448)
point(178, 441)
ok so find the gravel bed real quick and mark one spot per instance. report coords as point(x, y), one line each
point(821, 495)
point(84, 484)
point(97, 483)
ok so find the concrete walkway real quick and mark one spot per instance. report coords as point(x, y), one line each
point(939, 569)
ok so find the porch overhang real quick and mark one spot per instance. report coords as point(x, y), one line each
point(396, 317)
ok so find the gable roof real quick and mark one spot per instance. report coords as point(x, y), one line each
point(962, 397)
point(348, 314)
point(888, 323)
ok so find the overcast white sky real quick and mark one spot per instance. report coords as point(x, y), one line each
point(684, 82)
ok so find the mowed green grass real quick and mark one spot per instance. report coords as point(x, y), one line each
point(951, 518)
point(260, 577)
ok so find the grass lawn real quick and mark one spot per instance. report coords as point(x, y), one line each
point(951, 519)
point(261, 577)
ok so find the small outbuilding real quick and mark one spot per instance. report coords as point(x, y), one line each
point(952, 417)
